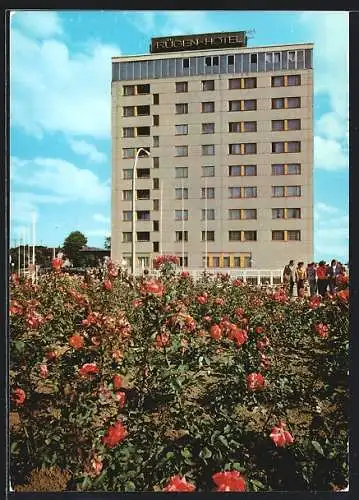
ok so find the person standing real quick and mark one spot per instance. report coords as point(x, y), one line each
point(312, 278)
point(322, 275)
point(334, 271)
point(300, 277)
point(289, 277)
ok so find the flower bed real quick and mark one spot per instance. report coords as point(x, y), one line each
point(177, 385)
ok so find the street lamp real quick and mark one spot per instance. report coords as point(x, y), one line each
point(134, 210)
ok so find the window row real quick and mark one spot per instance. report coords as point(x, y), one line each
point(208, 85)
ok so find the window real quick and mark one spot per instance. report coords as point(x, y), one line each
point(127, 173)
point(293, 147)
point(277, 191)
point(253, 58)
point(293, 169)
point(127, 195)
point(127, 215)
point(156, 162)
point(182, 109)
point(181, 150)
point(234, 105)
point(128, 152)
point(156, 183)
point(234, 235)
point(293, 191)
point(156, 246)
point(143, 215)
point(277, 235)
point(278, 103)
point(234, 149)
point(156, 225)
point(215, 261)
point(208, 149)
point(237, 261)
point(210, 193)
point(293, 235)
point(234, 192)
point(277, 81)
point(142, 153)
point(278, 169)
point(156, 141)
point(234, 127)
point(156, 205)
point(293, 80)
point(278, 213)
point(208, 128)
point(208, 171)
point(181, 193)
point(208, 237)
point(129, 111)
point(234, 83)
point(278, 147)
point(269, 58)
point(181, 214)
point(249, 236)
point(183, 262)
point(230, 60)
point(181, 86)
point(126, 237)
point(143, 173)
point(215, 61)
point(185, 63)
point(249, 192)
point(250, 83)
point(276, 58)
point(143, 131)
point(156, 120)
point(249, 213)
point(293, 213)
point(226, 261)
point(234, 170)
point(181, 236)
point(249, 105)
point(143, 89)
point(128, 132)
point(249, 170)
point(208, 61)
point(291, 59)
point(181, 129)
point(234, 213)
point(208, 107)
point(208, 214)
point(181, 172)
point(128, 90)
point(293, 102)
point(143, 110)
point(143, 194)
point(207, 85)
point(277, 125)
point(249, 126)
point(250, 148)
point(293, 124)
point(156, 98)
point(143, 236)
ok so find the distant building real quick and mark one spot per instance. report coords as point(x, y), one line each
point(229, 129)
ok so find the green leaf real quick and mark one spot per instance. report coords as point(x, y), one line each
point(186, 453)
point(130, 486)
point(19, 345)
point(205, 453)
point(258, 484)
point(169, 455)
point(318, 447)
point(223, 440)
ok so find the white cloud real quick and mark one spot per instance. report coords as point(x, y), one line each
point(332, 126)
point(39, 23)
point(329, 154)
point(101, 218)
point(55, 90)
point(97, 232)
point(321, 208)
point(88, 150)
point(331, 233)
point(61, 178)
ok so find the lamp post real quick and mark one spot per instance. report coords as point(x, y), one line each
point(134, 210)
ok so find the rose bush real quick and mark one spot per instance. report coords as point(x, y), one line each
point(138, 387)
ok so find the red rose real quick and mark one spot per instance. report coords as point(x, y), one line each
point(117, 355)
point(117, 382)
point(239, 311)
point(315, 301)
point(255, 381)
point(19, 396)
point(216, 332)
point(121, 398)
point(262, 344)
point(229, 481)
point(162, 340)
point(52, 355)
point(155, 287)
point(208, 319)
point(43, 371)
point(343, 295)
point(57, 264)
point(107, 285)
point(114, 435)
point(137, 303)
point(280, 436)
point(321, 330)
point(219, 301)
point(238, 282)
point(88, 369)
point(178, 483)
point(202, 299)
point(184, 274)
point(259, 329)
point(265, 362)
point(76, 341)
point(239, 336)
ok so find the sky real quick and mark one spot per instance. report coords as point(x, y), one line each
point(60, 112)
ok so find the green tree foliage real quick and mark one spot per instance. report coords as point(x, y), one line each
point(107, 244)
point(72, 246)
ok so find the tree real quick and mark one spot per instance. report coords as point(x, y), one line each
point(72, 246)
point(107, 244)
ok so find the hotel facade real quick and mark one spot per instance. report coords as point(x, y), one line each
point(227, 181)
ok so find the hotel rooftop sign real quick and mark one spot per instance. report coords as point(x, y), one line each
point(199, 42)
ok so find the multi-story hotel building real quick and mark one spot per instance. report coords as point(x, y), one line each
point(229, 132)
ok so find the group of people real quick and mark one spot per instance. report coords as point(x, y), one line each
point(319, 277)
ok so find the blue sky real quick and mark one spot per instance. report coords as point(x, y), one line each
point(60, 116)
